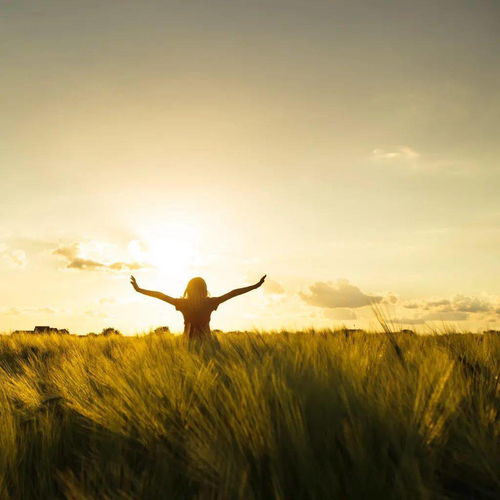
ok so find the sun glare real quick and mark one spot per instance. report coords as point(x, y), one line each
point(172, 250)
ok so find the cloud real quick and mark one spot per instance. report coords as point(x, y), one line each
point(126, 266)
point(69, 252)
point(74, 260)
point(438, 303)
point(398, 153)
point(342, 295)
point(15, 258)
point(460, 303)
point(391, 298)
point(411, 305)
point(434, 316)
point(459, 308)
point(107, 300)
point(19, 311)
point(273, 287)
point(410, 321)
point(471, 304)
point(456, 306)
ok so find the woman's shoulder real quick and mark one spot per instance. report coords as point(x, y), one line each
point(180, 303)
point(214, 302)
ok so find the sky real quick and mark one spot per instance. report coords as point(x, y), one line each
point(347, 149)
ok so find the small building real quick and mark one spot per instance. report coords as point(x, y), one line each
point(43, 329)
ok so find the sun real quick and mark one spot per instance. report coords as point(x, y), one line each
point(173, 250)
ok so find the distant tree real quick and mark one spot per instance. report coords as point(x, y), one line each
point(161, 330)
point(408, 332)
point(110, 331)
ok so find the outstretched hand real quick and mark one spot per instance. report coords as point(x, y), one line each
point(133, 282)
point(262, 280)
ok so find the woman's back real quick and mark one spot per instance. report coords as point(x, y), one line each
point(197, 315)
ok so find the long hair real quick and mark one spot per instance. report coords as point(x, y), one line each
point(196, 290)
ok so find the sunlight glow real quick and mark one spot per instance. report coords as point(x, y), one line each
point(173, 251)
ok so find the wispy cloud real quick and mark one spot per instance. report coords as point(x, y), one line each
point(459, 303)
point(20, 311)
point(273, 287)
point(74, 260)
point(411, 305)
point(397, 153)
point(13, 258)
point(107, 300)
point(340, 294)
point(458, 308)
point(410, 321)
point(391, 298)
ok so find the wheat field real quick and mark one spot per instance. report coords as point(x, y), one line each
point(305, 415)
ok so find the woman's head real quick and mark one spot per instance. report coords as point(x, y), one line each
point(196, 289)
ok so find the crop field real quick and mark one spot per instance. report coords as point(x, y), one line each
point(306, 415)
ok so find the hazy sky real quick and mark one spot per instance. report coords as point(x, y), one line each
point(348, 149)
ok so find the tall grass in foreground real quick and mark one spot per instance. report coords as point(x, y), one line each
point(305, 415)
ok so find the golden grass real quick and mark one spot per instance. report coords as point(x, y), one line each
point(302, 415)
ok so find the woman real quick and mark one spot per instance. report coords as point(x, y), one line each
point(196, 306)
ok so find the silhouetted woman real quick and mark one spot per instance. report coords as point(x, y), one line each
point(196, 306)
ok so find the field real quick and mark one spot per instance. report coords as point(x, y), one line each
point(308, 415)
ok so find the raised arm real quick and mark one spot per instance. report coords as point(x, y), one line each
point(240, 291)
point(152, 293)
